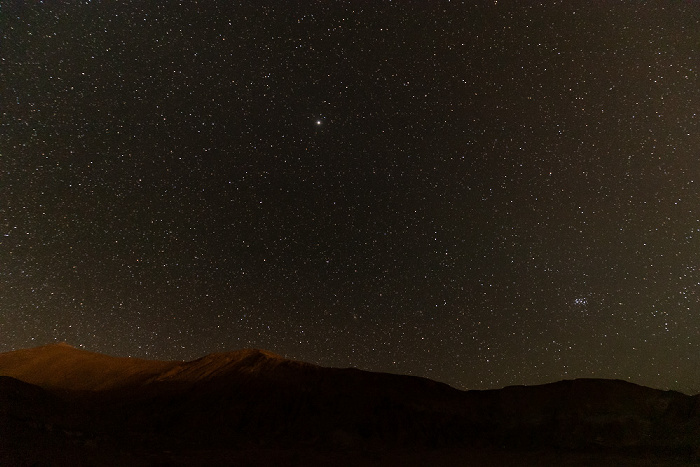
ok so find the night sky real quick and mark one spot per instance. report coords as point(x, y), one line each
point(487, 194)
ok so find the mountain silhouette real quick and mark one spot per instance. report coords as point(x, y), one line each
point(65, 406)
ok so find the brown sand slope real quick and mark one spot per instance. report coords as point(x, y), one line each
point(62, 367)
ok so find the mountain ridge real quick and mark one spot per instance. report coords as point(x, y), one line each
point(222, 404)
point(61, 366)
point(246, 359)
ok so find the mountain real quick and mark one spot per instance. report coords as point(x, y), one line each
point(62, 367)
point(64, 406)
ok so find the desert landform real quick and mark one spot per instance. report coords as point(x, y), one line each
point(60, 405)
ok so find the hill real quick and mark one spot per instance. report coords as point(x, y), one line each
point(252, 407)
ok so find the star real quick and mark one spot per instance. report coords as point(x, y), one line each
point(198, 237)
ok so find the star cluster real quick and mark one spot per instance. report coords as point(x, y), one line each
point(485, 194)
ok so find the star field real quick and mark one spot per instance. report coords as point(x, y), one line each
point(489, 194)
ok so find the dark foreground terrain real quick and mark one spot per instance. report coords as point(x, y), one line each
point(64, 406)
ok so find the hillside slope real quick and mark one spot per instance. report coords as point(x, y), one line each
point(252, 399)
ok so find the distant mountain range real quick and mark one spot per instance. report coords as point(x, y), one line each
point(64, 406)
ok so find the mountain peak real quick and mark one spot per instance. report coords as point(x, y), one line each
point(63, 344)
point(61, 366)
